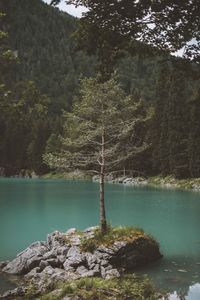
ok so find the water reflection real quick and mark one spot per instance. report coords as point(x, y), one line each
point(176, 275)
point(192, 294)
point(172, 217)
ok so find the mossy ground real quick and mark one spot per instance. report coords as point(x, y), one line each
point(188, 183)
point(126, 288)
point(113, 234)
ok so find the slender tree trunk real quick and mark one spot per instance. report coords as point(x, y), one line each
point(103, 224)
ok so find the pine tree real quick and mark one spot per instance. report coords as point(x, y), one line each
point(194, 135)
point(99, 133)
point(178, 125)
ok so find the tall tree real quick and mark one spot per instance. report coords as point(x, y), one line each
point(99, 133)
point(194, 137)
point(169, 25)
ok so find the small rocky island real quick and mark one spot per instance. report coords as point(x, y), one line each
point(73, 255)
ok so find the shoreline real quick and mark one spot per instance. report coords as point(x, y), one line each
point(169, 182)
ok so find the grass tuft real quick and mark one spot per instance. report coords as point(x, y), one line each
point(113, 234)
point(128, 287)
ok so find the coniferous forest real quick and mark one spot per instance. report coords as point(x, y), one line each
point(42, 67)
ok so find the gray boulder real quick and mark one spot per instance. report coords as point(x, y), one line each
point(27, 260)
point(111, 273)
point(56, 239)
point(81, 270)
point(3, 264)
point(74, 258)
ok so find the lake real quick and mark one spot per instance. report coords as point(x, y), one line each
point(29, 209)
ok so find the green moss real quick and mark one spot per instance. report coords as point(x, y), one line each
point(188, 183)
point(128, 287)
point(127, 234)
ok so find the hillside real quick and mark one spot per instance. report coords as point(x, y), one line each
point(42, 37)
point(44, 79)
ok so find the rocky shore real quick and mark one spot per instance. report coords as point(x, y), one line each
point(123, 179)
point(158, 181)
point(71, 256)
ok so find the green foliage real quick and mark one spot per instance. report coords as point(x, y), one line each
point(39, 74)
point(113, 234)
point(103, 107)
point(43, 39)
point(171, 181)
point(39, 77)
point(109, 27)
point(128, 287)
point(175, 124)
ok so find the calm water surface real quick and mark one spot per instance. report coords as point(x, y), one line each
point(29, 209)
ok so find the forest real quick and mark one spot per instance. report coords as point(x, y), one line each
point(41, 84)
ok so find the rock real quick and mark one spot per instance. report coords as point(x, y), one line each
point(50, 254)
point(33, 272)
point(103, 251)
point(27, 260)
point(96, 269)
point(56, 255)
point(56, 239)
point(127, 180)
point(3, 264)
point(90, 231)
point(112, 273)
point(91, 273)
point(34, 175)
point(196, 187)
point(118, 245)
point(104, 262)
point(91, 260)
point(43, 264)
point(81, 270)
point(74, 253)
point(136, 253)
point(75, 240)
point(71, 231)
point(61, 259)
point(54, 262)
point(121, 179)
point(74, 258)
point(18, 292)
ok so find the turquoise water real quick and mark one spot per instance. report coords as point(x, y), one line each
point(29, 209)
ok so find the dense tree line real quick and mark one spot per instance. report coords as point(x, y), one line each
point(43, 77)
point(41, 80)
point(175, 128)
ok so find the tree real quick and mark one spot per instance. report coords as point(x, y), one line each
point(109, 26)
point(194, 138)
point(99, 133)
point(175, 127)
